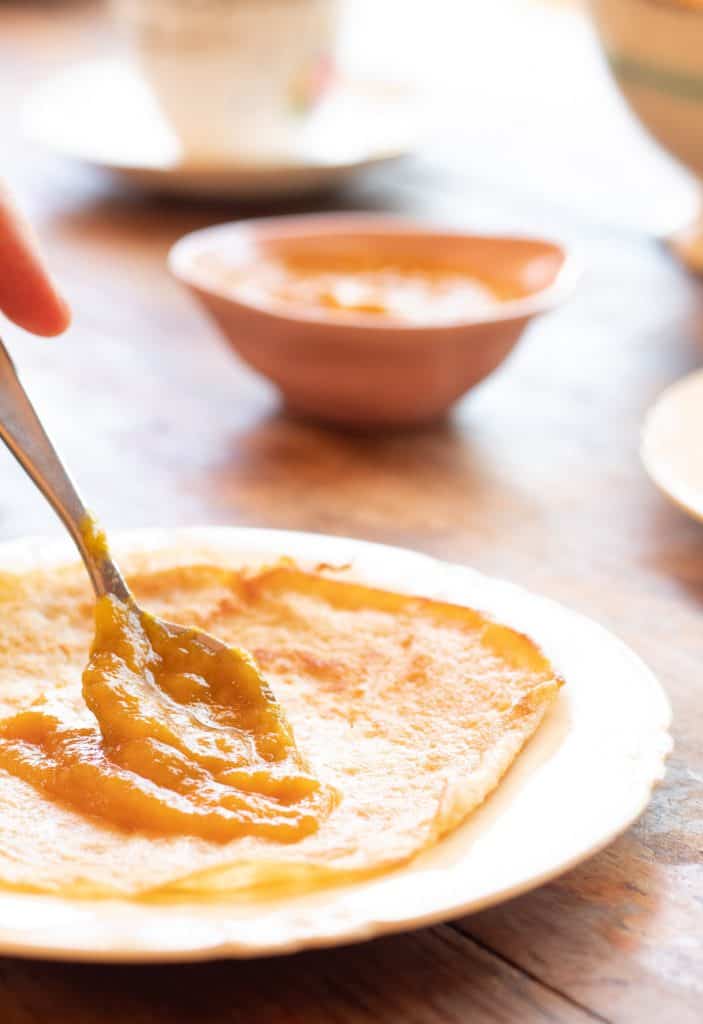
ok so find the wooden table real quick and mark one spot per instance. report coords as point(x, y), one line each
point(536, 478)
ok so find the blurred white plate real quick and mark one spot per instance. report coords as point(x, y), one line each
point(583, 778)
point(102, 112)
point(672, 443)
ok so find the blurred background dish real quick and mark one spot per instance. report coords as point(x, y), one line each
point(392, 91)
point(655, 50)
point(364, 368)
point(671, 450)
point(103, 112)
point(233, 79)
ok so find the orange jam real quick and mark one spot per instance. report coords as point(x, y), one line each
point(186, 739)
point(357, 285)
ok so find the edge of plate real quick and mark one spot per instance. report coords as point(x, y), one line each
point(647, 458)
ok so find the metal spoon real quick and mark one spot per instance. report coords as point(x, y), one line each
point(24, 435)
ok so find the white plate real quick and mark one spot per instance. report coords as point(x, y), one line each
point(102, 112)
point(672, 443)
point(584, 777)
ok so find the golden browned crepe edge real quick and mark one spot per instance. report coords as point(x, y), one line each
point(460, 799)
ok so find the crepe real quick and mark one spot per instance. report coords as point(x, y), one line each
point(410, 709)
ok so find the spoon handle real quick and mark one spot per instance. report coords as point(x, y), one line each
point(22, 432)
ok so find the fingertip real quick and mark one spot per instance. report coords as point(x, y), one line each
point(62, 318)
point(48, 320)
point(28, 294)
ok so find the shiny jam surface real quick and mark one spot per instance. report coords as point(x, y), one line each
point(342, 287)
point(186, 739)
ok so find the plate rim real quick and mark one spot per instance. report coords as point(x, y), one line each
point(647, 457)
point(251, 175)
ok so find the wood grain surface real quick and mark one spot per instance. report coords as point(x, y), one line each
point(535, 477)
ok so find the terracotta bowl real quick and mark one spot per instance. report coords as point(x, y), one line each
point(362, 369)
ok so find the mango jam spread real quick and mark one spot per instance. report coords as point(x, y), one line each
point(186, 739)
point(405, 292)
point(164, 768)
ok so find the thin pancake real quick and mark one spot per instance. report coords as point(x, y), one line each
point(411, 709)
